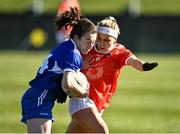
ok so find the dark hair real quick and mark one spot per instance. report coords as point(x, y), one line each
point(80, 24)
point(83, 26)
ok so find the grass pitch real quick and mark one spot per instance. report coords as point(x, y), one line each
point(144, 101)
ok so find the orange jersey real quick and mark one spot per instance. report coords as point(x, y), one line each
point(103, 74)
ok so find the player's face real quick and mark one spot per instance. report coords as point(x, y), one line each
point(105, 43)
point(86, 42)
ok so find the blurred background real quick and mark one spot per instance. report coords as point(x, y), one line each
point(146, 25)
point(144, 102)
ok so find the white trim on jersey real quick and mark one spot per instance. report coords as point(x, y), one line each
point(129, 58)
point(74, 43)
point(56, 69)
point(70, 70)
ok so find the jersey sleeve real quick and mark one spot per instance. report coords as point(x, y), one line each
point(128, 54)
point(124, 55)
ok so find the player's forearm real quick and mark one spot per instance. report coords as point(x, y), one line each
point(77, 90)
point(136, 63)
point(71, 87)
point(140, 64)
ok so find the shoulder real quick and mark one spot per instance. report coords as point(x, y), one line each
point(69, 44)
point(65, 47)
point(119, 49)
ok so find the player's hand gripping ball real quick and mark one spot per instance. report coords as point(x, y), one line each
point(81, 80)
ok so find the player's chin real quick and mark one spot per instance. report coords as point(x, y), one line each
point(85, 51)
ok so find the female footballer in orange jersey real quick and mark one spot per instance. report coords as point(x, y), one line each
point(102, 66)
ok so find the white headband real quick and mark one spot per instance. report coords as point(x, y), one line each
point(108, 31)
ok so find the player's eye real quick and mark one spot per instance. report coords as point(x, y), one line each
point(107, 40)
point(90, 41)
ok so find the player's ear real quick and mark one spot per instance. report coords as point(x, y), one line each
point(115, 41)
point(76, 37)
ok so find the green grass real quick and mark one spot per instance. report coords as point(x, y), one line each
point(97, 7)
point(144, 102)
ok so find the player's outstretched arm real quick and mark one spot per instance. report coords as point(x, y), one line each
point(140, 64)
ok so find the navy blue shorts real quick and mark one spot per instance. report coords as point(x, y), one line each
point(37, 103)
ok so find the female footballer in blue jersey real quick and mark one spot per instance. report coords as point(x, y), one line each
point(57, 72)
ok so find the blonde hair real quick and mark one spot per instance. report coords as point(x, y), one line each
point(109, 22)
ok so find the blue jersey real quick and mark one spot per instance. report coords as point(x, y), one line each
point(38, 101)
point(65, 57)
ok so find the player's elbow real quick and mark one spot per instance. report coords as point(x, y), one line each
point(65, 85)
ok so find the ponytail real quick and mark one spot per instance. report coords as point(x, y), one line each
point(80, 24)
point(68, 18)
